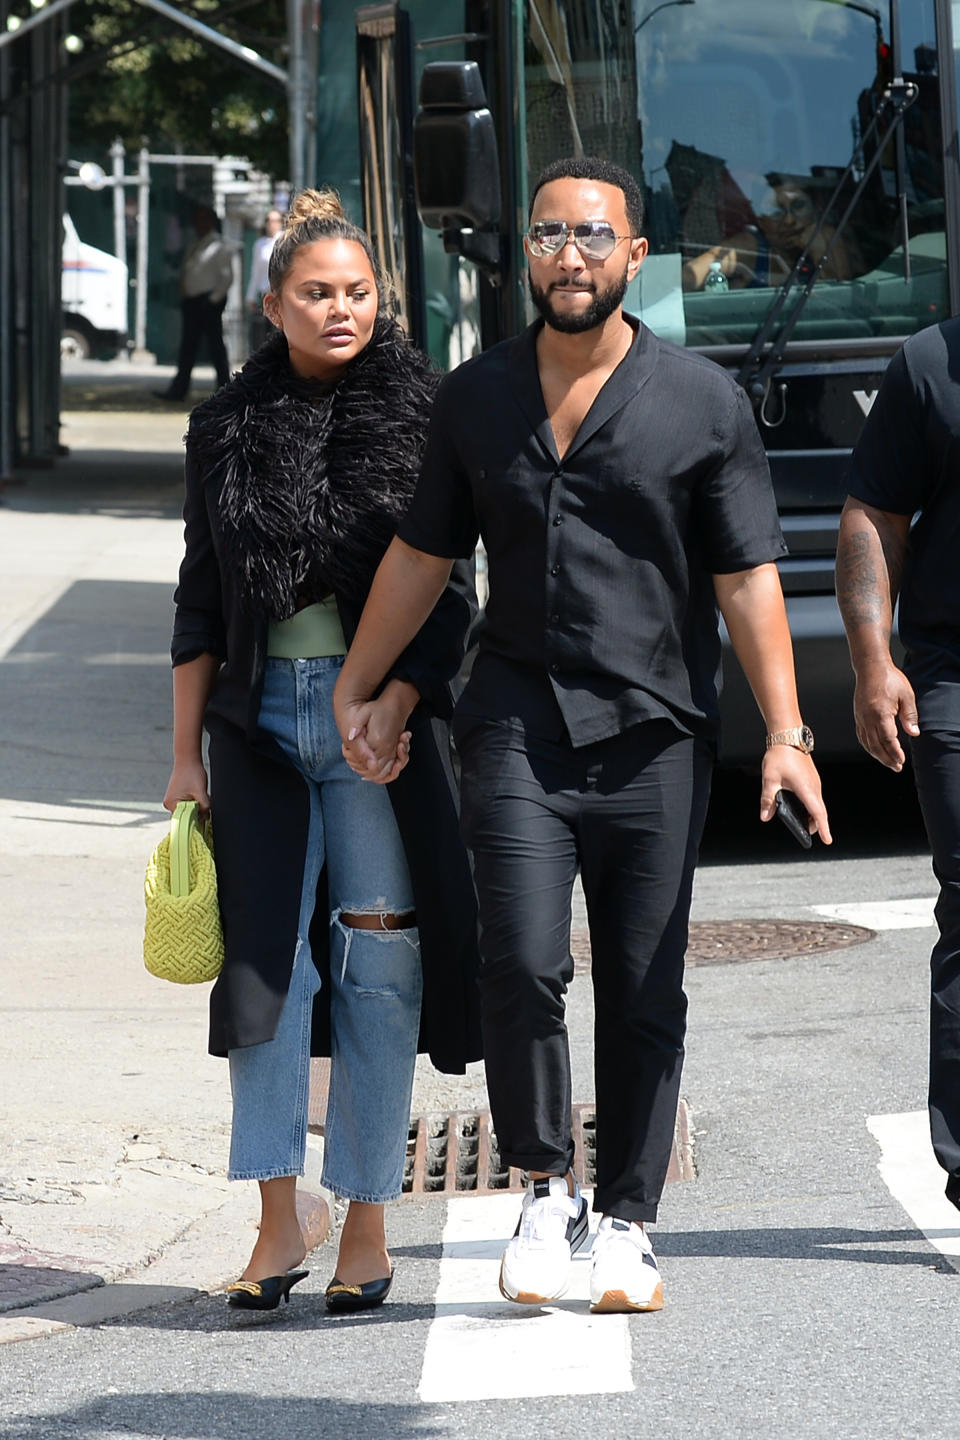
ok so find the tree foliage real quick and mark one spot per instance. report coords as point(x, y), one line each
point(145, 80)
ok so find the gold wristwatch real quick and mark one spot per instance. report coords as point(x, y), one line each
point(800, 737)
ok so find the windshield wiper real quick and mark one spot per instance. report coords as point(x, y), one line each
point(761, 364)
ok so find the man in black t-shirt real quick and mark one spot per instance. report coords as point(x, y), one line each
point(621, 491)
point(906, 464)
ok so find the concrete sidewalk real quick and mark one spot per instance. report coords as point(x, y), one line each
point(116, 1122)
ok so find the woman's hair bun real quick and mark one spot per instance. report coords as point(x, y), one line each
point(314, 205)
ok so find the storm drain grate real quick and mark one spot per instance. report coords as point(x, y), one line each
point(730, 942)
point(457, 1153)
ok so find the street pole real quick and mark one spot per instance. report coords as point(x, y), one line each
point(296, 92)
point(140, 352)
point(117, 155)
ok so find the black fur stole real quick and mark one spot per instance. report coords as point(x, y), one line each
point(314, 479)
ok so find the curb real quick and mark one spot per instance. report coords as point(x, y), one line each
point(202, 1251)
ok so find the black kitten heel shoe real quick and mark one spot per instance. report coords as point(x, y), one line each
point(264, 1294)
point(343, 1299)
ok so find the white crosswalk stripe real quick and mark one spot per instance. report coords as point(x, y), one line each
point(482, 1347)
point(914, 1178)
point(909, 914)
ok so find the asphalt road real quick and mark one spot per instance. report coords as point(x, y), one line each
point(807, 1288)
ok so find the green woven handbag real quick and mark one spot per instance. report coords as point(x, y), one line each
point(182, 937)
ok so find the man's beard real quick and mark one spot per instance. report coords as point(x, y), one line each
point(601, 307)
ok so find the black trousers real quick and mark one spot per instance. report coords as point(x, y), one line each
point(629, 812)
point(202, 321)
point(936, 768)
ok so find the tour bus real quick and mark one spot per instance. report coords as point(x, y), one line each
point(798, 160)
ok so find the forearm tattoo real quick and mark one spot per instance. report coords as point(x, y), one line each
point(864, 590)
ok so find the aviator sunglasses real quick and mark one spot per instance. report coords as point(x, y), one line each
point(595, 239)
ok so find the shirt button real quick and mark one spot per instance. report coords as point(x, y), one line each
point(555, 570)
point(558, 520)
point(555, 619)
point(554, 667)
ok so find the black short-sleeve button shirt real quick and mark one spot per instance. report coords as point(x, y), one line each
point(600, 564)
point(907, 460)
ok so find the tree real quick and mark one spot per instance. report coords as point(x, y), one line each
point(145, 80)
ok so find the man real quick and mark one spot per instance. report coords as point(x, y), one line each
point(619, 485)
point(908, 461)
point(259, 283)
point(205, 279)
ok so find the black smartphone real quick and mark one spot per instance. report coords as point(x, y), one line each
point(794, 816)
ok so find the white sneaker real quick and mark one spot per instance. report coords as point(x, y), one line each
point(624, 1274)
point(553, 1225)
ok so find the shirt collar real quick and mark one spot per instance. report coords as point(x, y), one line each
point(626, 381)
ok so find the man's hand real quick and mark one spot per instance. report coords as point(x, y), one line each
point(884, 695)
point(786, 768)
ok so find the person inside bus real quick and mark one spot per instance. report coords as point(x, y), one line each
point(297, 474)
point(765, 253)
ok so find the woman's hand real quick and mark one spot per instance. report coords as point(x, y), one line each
point(188, 781)
point(376, 745)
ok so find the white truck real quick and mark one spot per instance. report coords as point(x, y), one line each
point(94, 298)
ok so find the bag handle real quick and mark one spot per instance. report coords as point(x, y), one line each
point(182, 826)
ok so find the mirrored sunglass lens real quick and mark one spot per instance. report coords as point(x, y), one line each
point(549, 235)
point(595, 239)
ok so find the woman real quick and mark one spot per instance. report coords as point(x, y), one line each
point(296, 476)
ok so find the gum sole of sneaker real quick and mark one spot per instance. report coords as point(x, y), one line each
point(527, 1297)
point(615, 1302)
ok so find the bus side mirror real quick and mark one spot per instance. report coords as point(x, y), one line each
point(456, 166)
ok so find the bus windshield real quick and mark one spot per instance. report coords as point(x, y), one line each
point(739, 118)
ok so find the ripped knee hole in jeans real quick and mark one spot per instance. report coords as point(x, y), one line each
point(381, 923)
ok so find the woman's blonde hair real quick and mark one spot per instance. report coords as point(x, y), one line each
point(317, 215)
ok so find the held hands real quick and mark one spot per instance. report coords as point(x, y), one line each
point(376, 745)
point(883, 696)
point(786, 768)
point(188, 781)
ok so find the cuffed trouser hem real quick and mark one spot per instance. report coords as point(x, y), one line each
point(644, 1212)
point(552, 1164)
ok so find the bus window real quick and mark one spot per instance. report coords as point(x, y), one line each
point(740, 117)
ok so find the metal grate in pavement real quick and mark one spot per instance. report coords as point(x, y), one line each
point(457, 1153)
point(730, 942)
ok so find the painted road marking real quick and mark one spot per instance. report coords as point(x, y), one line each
point(883, 914)
point(914, 1178)
point(482, 1347)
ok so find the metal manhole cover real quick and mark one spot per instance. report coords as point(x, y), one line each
point(730, 942)
point(457, 1153)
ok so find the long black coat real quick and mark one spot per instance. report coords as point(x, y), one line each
point(348, 460)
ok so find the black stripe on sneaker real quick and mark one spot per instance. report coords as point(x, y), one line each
point(578, 1227)
point(649, 1260)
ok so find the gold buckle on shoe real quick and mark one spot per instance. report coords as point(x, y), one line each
point(245, 1287)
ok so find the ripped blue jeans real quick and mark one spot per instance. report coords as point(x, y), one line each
point(375, 975)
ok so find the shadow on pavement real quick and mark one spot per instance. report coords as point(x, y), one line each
point(85, 708)
point(821, 1244)
point(129, 484)
point(227, 1415)
point(22, 1285)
